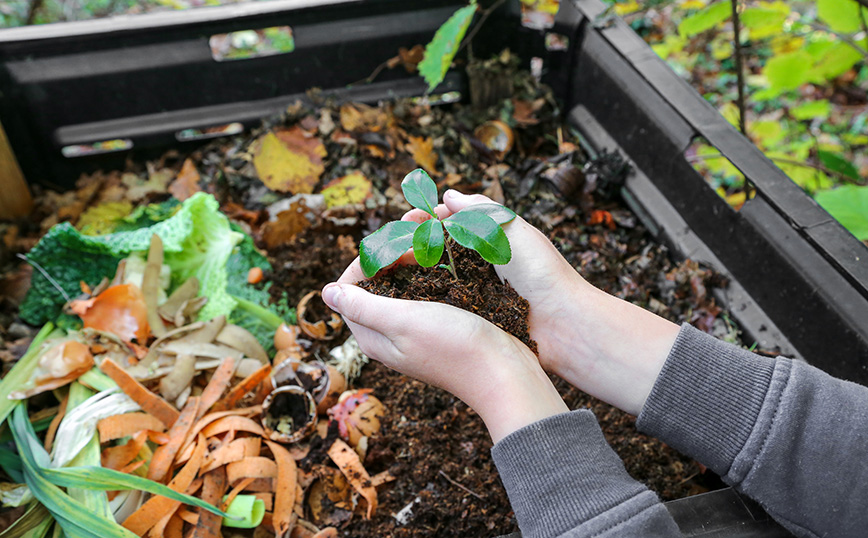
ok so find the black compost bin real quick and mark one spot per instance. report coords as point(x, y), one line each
point(799, 281)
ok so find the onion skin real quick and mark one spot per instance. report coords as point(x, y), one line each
point(120, 310)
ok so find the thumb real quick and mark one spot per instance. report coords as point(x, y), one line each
point(362, 308)
point(455, 201)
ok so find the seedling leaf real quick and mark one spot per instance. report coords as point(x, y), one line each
point(420, 191)
point(481, 233)
point(386, 245)
point(497, 212)
point(441, 50)
point(428, 243)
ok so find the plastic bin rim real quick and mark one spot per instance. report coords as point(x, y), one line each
point(163, 19)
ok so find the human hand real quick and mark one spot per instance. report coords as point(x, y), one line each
point(603, 345)
point(490, 370)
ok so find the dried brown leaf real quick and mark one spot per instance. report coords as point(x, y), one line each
point(187, 182)
point(422, 150)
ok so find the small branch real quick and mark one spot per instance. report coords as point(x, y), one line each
point(827, 171)
point(34, 8)
point(473, 31)
point(736, 27)
point(843, 37)
point(454, 483)
point(863, 20)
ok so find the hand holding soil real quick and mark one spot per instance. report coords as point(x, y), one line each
point(607, 347)
point(490, 370)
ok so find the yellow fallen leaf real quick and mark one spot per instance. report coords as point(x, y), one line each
point(350, 189)
point(625, 8)
point(289, 160)
point(422, 150)
point(103, 218)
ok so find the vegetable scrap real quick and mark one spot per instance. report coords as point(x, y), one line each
point(187, 403)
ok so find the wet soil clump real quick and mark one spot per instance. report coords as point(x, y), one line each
point(477, 290)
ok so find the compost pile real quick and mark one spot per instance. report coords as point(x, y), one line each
point(187, 367)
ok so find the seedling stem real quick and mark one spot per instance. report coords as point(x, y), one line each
point(451, 265)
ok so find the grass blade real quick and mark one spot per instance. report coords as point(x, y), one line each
point(76, 523)
point(99, 478)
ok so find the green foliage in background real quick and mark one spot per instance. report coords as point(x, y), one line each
point(806, 78)
point(442, 49)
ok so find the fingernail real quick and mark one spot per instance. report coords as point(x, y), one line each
point(450, 193)
point(331, 296)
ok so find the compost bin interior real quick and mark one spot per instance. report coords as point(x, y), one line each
point(145, 84)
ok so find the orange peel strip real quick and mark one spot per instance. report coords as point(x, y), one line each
point(236, 450)
point(235, 491)
point(213, 489)
point(131, 467)
point(266, 498)
point(205, 420)
point(256, 467)
point(285, 495)
point(164, 456)
point(218, 383)
point(237, 423)
point(147, 400)
point(157, 507)
point(351, 466)
point(175, 528)
point(116, 457)
point(186, 515)
point(55, 423)
point(125, 425)
point(238, 392)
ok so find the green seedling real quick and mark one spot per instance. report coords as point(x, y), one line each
point(477, 227)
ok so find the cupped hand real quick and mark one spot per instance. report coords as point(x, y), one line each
point(537, 271)
point(490, 370)
point(603, 345)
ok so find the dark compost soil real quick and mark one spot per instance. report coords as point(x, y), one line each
point(437, 448)
point(477, 290)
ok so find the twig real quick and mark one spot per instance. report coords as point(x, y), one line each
point(473, 31)
point(839, 175)
point(736, 27)
point(374, 74)
point(46, 275)
point(454, 483)
point(843, 37)
point(863, 21)
point(34, 8)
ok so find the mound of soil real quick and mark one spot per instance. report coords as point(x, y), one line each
point(477, 289)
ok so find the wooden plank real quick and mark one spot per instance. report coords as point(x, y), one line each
point(15, 199)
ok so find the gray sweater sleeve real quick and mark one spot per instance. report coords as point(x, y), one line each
point(784, 433)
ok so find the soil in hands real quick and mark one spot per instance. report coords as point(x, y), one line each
point(477, 289)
